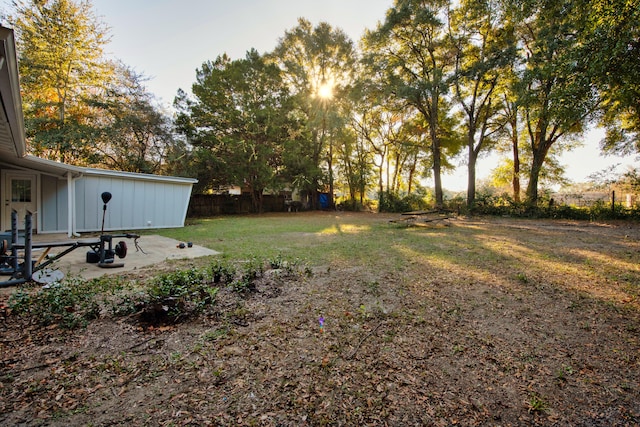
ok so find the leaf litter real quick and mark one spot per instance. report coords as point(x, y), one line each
point(546, 334)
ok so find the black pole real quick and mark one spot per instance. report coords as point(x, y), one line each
point(14, 240)
point(613, 202)
point(28, 234)
point(106, 196)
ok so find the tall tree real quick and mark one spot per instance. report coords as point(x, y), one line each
point(410, 47)
point(130, 132)
point(555, 91)
point(239, 113)
point(318, 65)
point(483, 47)
point(60, 45)
point(610, 30)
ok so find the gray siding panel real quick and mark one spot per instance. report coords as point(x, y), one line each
point(53, 211)
point(135, 204)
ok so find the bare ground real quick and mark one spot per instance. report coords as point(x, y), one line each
point(535, 323)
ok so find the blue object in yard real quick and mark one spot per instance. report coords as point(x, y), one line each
point(323, 199)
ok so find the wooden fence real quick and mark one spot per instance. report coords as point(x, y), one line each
point(204, 205)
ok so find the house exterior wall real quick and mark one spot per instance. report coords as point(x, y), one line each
point(54, 204)
point(136, 203)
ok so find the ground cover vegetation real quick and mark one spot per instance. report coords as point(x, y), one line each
point(437, 83)
point(341, 319)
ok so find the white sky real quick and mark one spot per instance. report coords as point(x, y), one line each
point(167, 40)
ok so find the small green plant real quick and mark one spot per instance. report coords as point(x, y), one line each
point(373, 287)
point(176, 284)
point(246, 282)
point(222, 271)
point(563, 373)
point(536, 404)
point(364, 314)
point(213, 335)
point(178, 294)
point(278, 262)
point(20, 302)
point(71, 304)
point(458, 349)
point(175, 357)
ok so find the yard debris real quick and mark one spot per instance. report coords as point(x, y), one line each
point(508, 326)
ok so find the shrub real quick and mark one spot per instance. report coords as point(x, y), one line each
point(222, 272)
point(393, 202)
point(246, 282)
point(176, 295)
point(71, 303)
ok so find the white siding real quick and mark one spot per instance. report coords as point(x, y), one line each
point(54, 204)
point(135, 204)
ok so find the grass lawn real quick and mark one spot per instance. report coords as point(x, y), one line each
point(469, 321)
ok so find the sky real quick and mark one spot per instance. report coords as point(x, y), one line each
point(167, 40)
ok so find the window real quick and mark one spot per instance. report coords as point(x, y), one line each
point(21, 190)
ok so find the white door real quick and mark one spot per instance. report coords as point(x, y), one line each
point(19, 195)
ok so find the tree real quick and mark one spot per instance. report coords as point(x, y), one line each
point(483, 48)
point(554, 91)
point(610, 50)
point(60, 46)
point(318, 65)
point(511, 130)
point(410, 48)
point(239, 114)
point(130, 133)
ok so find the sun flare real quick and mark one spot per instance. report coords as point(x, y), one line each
point(325, 90)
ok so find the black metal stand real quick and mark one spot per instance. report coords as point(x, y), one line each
point(102, 249)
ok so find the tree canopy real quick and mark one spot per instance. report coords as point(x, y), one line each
point(80, 106)
point(435, 83)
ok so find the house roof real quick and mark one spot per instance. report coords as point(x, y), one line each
point(12, 139)
point(13, 148)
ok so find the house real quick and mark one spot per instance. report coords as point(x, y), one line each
point(66, 198)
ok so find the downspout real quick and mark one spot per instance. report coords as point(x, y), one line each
point(71, 205)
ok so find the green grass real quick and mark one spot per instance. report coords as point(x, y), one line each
point(468, 251)
point(317, 238)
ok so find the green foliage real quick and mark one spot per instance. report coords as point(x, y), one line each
point(278, 262)
point(132, 134)
point(504, 205)
point(79, 106)
point(179, 294)
point(410, 49)
point(176, 284)
point(70, 304)
point(240, 112)
point(610, 55)
point(222, 271)
point(393, 202)
point(251, 271)
point(168, 298)
point(537, 403)
point(61, 62)
point(313, 58)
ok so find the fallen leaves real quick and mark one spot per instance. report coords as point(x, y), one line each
point(420, 345)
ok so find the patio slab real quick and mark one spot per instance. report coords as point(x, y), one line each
point(157, 249)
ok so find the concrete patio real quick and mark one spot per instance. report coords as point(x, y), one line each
point(157, 249)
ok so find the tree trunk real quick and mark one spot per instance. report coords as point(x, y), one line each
point(539, 155)
point(471, 166)
point(516, 165)
point(330, 166)
point(412, 171)
point(437, 167)
point(471, 175)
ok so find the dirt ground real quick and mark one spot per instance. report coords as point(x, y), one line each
point(484, 339)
